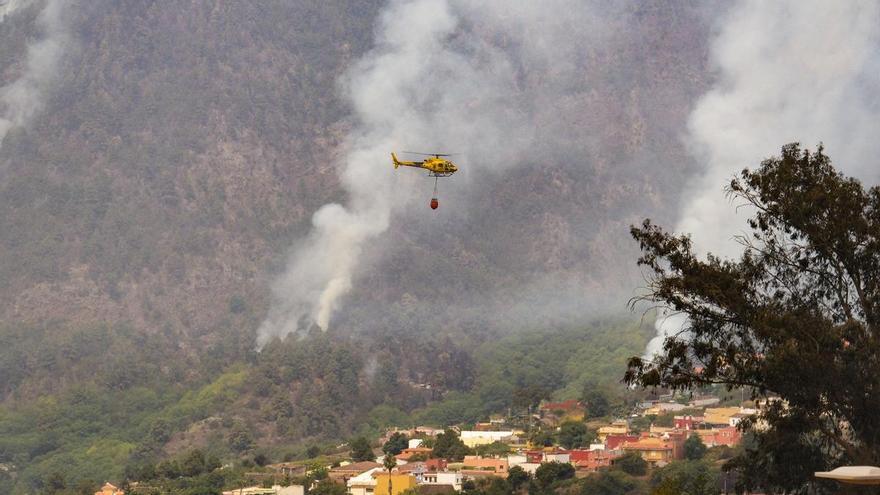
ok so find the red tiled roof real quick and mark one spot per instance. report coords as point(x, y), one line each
point(568, 405)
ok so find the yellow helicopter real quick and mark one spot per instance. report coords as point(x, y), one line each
point(436, 165)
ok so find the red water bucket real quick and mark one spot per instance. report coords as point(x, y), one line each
point(434, 203)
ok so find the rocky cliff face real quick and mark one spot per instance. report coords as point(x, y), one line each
point(181, 150)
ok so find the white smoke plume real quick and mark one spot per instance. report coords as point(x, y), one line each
point(805, 71)
point(427, 86)
point(23, 98)
point(10, 6)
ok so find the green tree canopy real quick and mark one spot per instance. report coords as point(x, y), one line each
point(517, 477)
point(690, 477)
point(447, 445)
point(395, 444)
point(631, 464)
point(795, 317)
point(549, 473)
point(694, 448)
point(613, 482)
point(361, 450)
point(541, 438)
point(327, 487)
point(596, 401)
point(574, 434)
point(498, 449)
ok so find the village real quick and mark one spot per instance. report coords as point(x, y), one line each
point(429, 460)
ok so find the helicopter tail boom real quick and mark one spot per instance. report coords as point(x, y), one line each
point(398, 163)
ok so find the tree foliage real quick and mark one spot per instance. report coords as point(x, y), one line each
point(517, 477)
point(549, 473)
point(447, 445)
point(611, 482)
point(631, 464)
point(794, 317)
point(596, 401)
point(694, 448)
point(690, 477)
point(395, 444)
point(574, 434)
point(361, 450)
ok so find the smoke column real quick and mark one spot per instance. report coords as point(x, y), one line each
point(429, 83)
point(806, 71)
point(22, 98)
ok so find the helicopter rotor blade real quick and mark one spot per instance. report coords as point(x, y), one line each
point(427, 154)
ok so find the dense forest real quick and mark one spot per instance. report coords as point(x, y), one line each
point(108, 400)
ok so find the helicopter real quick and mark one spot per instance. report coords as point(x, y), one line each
point(436, 165)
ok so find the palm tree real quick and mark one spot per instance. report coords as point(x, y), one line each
point(389, 462)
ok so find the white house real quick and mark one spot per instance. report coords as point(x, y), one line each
point(476, 438)
point(364, 483)
point(557, 457)
point(443, 478)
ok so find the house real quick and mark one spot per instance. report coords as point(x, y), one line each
point(559, 456)
point(364, 483)
point(427, 431)
point(657, 431)
point(476, 438)
point(399, 483)
point(567, 406)
point(444, 478)
point(570, 409)
point(729, 436)
point(534, 456)
point(653, 450)
point(344, 473)
point(477, 465)
point(417, 469)
point(109, 489)
point(436, 464)
point(736, 418)
point(592, 460)
point(658, 450)
point(703, 401)
point(289, 469)
point(620, 427)
point(687, 422)
point(663, 408)
point(417, 452)
point(516, 459)
point(530, 467)
point(720, 416)
point(614, 441)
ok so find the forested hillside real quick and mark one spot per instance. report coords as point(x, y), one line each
point(111, 402)
point(178, 153)
point(182, 150)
